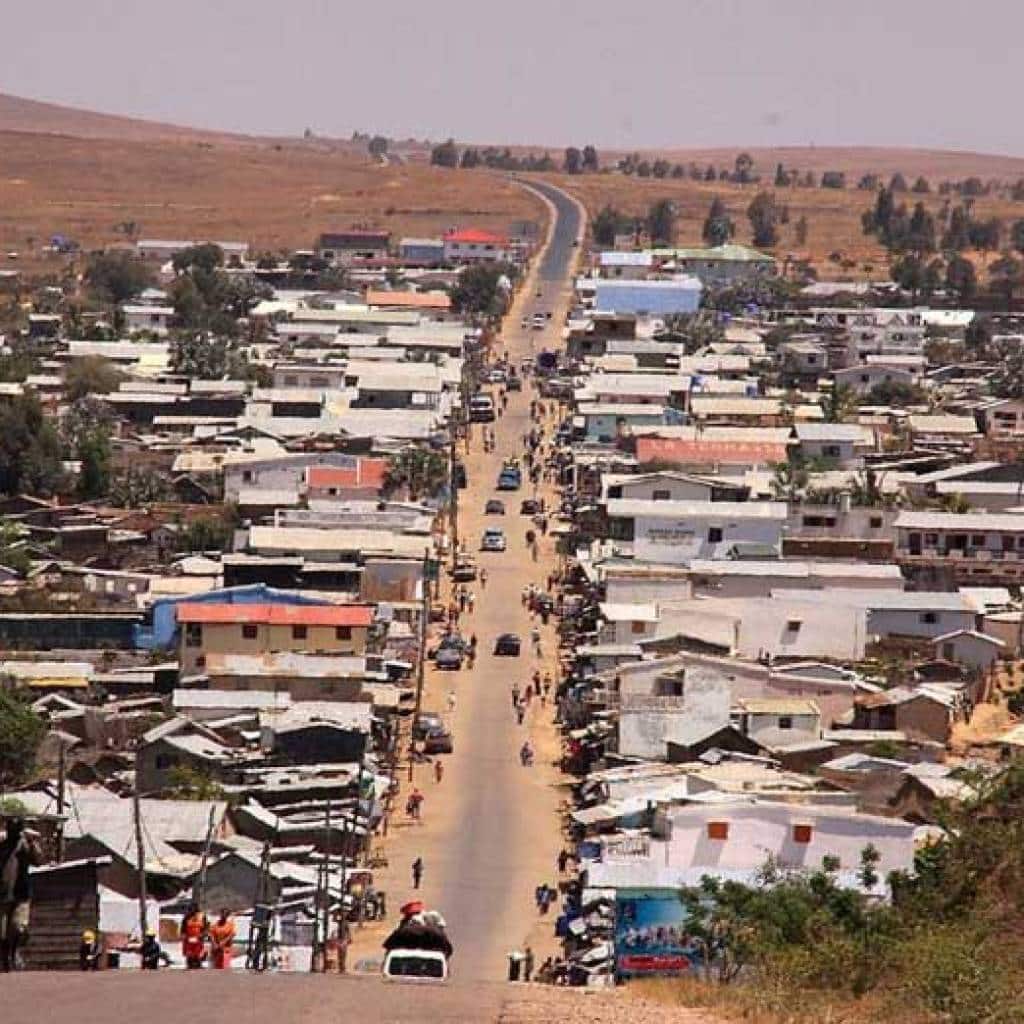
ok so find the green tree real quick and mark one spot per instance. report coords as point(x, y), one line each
point(957, 235)
point(93, 452)
point(445, 155)
point(718, 226)
point(763, 213)
point(744, 168)
point(206, 534)
point(136, 488)
point(196, 354)
point(190, 783)
point(116, 277)
point(961, 278)
point(30, 450)
point(1006, 276)
point(897, 183)
point(591, 161)
point(781, 177)
point(21, 732)
point(572, 162)
point(1017, 236)
point(470, 158)
point(607, 223)
point(480, 289)
point(421, 472)
point(800, 230)
point(377, 147)
point(661, 222)
point(840, 403)
point(91, 375)
point(921, 186)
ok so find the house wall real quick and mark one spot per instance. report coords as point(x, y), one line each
point(626, 631)
point(233, 883)
point(913, 622)
point(863, 378)
point(924, 717)
point(672, 297)
point(767, 730)
point(968, 650)
point(607, 426)
point(646, 488)
point(228, 638)
point(477, 252)
point(675, 539)
point(286, 475)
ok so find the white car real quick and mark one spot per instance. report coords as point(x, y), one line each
point(493, 539)
point(496, 376)
point(415, 966)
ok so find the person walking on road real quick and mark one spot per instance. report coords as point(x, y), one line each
point(451, 700)
point(528, 963)
point(515, 695)
point(417, 872)
point(483, 579)
point(438, 771)
point(526, 754)
point(520, 713)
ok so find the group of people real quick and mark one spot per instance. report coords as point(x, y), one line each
point(201, 940)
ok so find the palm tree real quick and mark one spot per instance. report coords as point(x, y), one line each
point(423, 473)
point(789, 480)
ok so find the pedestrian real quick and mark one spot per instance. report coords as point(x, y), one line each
point(547, 683)
point(415, 804)
point(538, 894)
point(534, 550)
point(222, 941)
point(535, 640)
point(193, 937)
point(563, 860)
point(526, 754)
point(483, 579)
point(515, 695)
point(472, 642)
point(18, 853)
point(90, 952)
point(528, 695)
point(151, 953)
point(451, 700)
point(528, 964)
point(462, 599)
point(438, 771)
point(520, 713)
point(417, 872)
point(470, 600)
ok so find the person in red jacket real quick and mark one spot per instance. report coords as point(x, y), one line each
point(222, 941)
point(193, 937)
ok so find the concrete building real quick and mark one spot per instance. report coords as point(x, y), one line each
point(473, 245)
point(972, 547)
point(648, 298)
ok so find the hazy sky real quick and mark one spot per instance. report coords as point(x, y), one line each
point(944, 73)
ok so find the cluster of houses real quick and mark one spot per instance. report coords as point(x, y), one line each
point(241, 652)
point(777, 621)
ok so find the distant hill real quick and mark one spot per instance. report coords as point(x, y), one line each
point(23, 115)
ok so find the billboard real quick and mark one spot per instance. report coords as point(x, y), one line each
point(650, 933)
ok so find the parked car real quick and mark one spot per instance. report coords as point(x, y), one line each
point(438, 740)
point(464, 571)
point(507, 644)
point(427, 720)
point(493, 539)
point(496, 376)
point(450, 641)
point(514, 384)
point(494, 507)
point(529, 507)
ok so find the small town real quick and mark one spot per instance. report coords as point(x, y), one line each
point(528, 584)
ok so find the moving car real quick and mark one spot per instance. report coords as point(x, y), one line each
point(450, 641)
point(481, 409)
point(493, 539)
point(438, 740)
point(449, 658)
point(540, 321)
point(494, 507)
point(415, 966)
point(496, 376)
point(509, 479)
point(507, 644)
point(529, 507)
point(514, 384)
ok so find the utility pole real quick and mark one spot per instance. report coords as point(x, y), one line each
point(140, 854)
point(199, 889)
point(61, 784)
point(421, 668)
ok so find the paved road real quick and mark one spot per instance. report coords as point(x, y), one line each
point(490, 831)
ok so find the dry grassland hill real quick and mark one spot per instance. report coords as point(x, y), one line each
point(833, 215)
point(81, 175)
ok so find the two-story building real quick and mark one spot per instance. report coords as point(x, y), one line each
point(474, 245)
point(973, 546)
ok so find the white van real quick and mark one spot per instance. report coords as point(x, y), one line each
point(415, 966)
point(481, 409)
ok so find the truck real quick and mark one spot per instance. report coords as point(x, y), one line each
point(418, 951)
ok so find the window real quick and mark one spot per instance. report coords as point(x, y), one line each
point(929, 618)
point(637, 627)
point(249, 631)
point(714, 534)
point(793, 626)
point(660, 496)
point(978, 540)
point(931, 540)
point(193, 634)
point(291, 382)
point(785, 722)
point(246, 476)
point(802, 833)
point(342, 632)
point(165, 761)
point(830, 451)
point(299, 632)
point(875, 522)
point(718, 830)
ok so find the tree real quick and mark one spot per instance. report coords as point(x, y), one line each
point(868, 182)
point(789, 479)
point(800, 230)
point(895, 393)
point(644, 169)
point(591, 162)
point(1017, 236)
point(961, 278)
point(446, 154)
point(377, 147)
point(897, 183)
point(1009, 377)
point(482, 289)
point(470, 158)
point(921, 234)
point(572, 163)
point(421, 472)
point(833, 179)
point(744, 168)
point(90, 375)
point(93, 452)
point(764, 218)
point(116, 277)
point(985, 235)
point(840, 402)
point(718, 226)
point(781, 177)
point(661, 168)
point(1006, 276)
point(606, 225)
point(957, 237)
point(31, 457)
point(197, 354)
point(661, 222)
point(21, 732)
point(135, 488)
point(921, 186)
point(190, 783)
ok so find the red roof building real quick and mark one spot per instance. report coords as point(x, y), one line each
point(368, 475)
point(475, 236)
